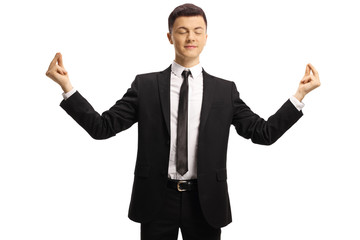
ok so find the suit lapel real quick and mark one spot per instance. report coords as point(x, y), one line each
point(164, 91)
point(208, 93)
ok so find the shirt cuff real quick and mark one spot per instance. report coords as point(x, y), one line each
point(68, 94)
point(299, 105)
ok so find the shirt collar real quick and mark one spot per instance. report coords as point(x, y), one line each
point(177, 69)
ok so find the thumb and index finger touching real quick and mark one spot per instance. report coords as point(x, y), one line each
point(309, 67)
point(311, 77)
point(57, 59)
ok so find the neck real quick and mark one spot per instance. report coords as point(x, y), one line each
point(188, 63)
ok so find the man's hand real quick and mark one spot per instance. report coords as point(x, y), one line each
point(308, 83)
point(58, 73)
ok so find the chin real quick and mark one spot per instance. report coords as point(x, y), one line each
point(191, 55)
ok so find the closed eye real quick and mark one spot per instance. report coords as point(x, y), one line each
point(199, 30)
point(182, 30)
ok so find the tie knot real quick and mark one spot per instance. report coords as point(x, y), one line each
point(186, 74)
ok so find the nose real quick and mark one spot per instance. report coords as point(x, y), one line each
point(190, 36)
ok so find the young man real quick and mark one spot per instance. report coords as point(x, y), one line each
point(184, 116)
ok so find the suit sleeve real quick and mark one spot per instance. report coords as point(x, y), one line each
point(119, 117)
point(250, 126)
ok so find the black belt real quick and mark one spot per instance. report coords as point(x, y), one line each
point(182, 185)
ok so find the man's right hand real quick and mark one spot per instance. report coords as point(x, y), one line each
point(58, 73)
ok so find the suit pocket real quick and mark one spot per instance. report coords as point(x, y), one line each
point(221, 175)
point(142, 170)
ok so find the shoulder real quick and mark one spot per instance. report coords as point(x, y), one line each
point(218, 80)
point(150, 80)
point(153, 75)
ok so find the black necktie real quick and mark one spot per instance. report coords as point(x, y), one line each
point(182, 127)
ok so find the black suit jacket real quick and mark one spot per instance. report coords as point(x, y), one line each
point(147, 102)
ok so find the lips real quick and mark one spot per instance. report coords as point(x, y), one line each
point(190, 46)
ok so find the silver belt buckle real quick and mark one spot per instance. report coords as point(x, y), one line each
point(178, 186)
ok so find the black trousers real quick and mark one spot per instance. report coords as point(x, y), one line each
point(180, 211)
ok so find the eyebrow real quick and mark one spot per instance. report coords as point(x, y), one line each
point(197, 28)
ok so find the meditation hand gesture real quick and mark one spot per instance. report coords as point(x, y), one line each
point(308, 83)
point(58, 73)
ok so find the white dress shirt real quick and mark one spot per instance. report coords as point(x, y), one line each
point(194, 109)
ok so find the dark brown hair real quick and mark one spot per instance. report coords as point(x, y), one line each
point(187, 10)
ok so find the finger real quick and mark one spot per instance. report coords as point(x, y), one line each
point(316, 74)
point(307, 70)
point(61, 70)
point(60, 61)
point(307, 79)
point(53, 62)
point(56, 69)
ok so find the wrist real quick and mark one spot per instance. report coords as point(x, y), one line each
point(67, 87)
point(299, 96)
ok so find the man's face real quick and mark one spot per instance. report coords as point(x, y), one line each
point(189, 38)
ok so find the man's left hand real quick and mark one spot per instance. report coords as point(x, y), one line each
point(309, 82)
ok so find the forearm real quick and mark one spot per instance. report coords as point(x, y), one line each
point(268, 132)
point(86, 116)
point(250, 126)
point(119, 117)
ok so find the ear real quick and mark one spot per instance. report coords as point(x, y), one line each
point(169, 37)
point(206, 36)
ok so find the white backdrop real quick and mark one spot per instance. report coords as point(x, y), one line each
point(58, 183)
